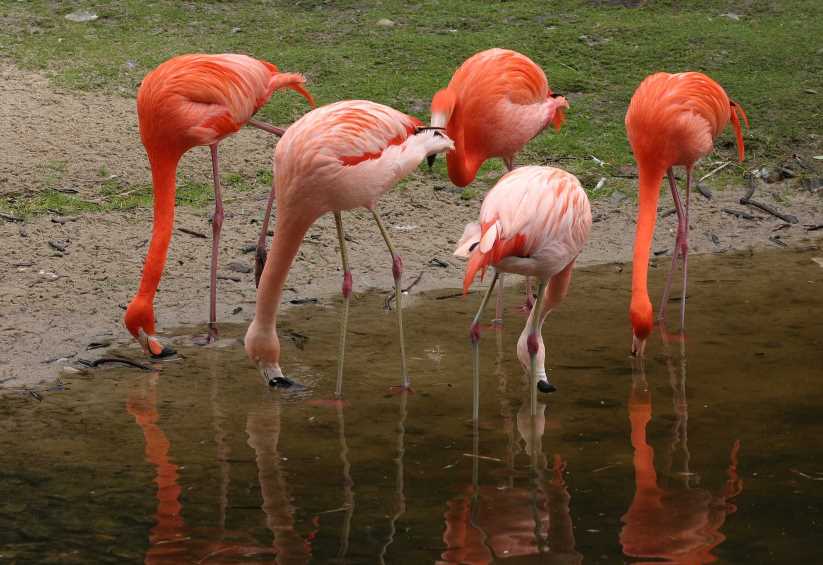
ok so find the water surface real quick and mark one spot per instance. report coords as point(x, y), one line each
point(708, 453)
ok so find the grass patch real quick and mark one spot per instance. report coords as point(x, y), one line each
point(594, 52)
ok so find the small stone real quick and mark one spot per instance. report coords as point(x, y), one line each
point(239, 267)
point(248, 248)
point(616, 198)
point(236, 30)
point(81, 16)
point(58, 244)
point(385, 22)
point(237, 310)
point(731, 15)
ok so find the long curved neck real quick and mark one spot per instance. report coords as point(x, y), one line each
point(649, 194)
point(163, 176)
point(462, 164)
point(286, 242)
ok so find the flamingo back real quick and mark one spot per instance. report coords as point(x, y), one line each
point(325, 147)
point(673, 119)
point(198, 99)
point(536, 213)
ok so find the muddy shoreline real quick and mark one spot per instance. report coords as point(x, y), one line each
point(65, 280)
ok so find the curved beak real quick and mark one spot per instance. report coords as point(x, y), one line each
point(430, 160)
point(152, 347)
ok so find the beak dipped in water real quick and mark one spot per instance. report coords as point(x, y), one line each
point(152, 346)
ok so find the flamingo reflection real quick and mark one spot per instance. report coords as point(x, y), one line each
point(491, 523)
point(171, 540)
point(677, 523)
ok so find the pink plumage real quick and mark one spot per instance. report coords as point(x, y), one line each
point(534, 222)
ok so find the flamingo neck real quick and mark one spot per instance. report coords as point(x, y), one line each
point(462, 164)
point(163, 174)
point(641, 309)
point(286, 243)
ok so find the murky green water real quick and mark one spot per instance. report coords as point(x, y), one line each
point(711, 455)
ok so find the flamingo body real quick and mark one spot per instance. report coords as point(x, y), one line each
point(494, 104)
point(338, 157)
point(534, 222)
point(187, 101)
point(672, 120)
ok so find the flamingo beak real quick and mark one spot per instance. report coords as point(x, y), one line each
point(430, 160)
point(152, 347)
point(273, 377)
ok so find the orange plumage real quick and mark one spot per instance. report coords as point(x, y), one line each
point(673, 119)
point(185, 102)
point(494, 104)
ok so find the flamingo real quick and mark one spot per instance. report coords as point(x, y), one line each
point(673, 119)
point(338, 157)
point(496, 102)
point(534, 222)
point(185, 102)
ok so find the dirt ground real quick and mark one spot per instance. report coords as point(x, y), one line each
point(53, 304)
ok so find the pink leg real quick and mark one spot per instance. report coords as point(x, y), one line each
point(527, 306)
point(684, 250)
point(216, 225)
point(261, 254)
point(680, 245)
point(267, 127)
point(498, 307)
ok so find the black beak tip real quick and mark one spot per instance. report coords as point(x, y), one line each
point(167, 352)
point(430, 161)
point(545, 386)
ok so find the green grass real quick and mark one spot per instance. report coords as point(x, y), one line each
point(769, 60)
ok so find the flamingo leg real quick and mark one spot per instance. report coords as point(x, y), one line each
point(533, 343)
point(474, 333)
point(344, 319)
point(680, 241)
point(529, 304)
point(397, 272)
point(498, 307)
point(267, 127)
point(261, 253)
point(216, 226)
point(684, 250)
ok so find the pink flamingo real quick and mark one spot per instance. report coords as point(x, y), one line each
point(672, 120)
point(338, 157)
point(185, 102)
point(534, 222)
point(496, 102)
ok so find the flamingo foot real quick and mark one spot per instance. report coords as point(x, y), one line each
point(211, 337)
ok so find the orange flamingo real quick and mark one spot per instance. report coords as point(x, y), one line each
point(496, 102)
point(673, 119)
point(338, 157)
point(188, 101)
point(534, 222)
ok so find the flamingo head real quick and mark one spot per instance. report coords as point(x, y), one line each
point(558, 115)
point(139, 320)
point(442, 109)
point(640, 313)
point(263, 349)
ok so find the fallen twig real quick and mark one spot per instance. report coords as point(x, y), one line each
point(390, 298)
point(121, 360)
point(10, 218)
point(813, 227)
point(483, 457)
point(192, 232)
point(714, 171)
point(747, 200)
point(704, 190)
point(738, 213)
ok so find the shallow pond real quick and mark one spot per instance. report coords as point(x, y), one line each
point(711, 451)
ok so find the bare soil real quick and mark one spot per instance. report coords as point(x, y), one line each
point(53, 303)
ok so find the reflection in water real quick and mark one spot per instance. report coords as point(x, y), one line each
point(490, 523)
point(170, 540)
point(679, 523)
point(399, 490)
